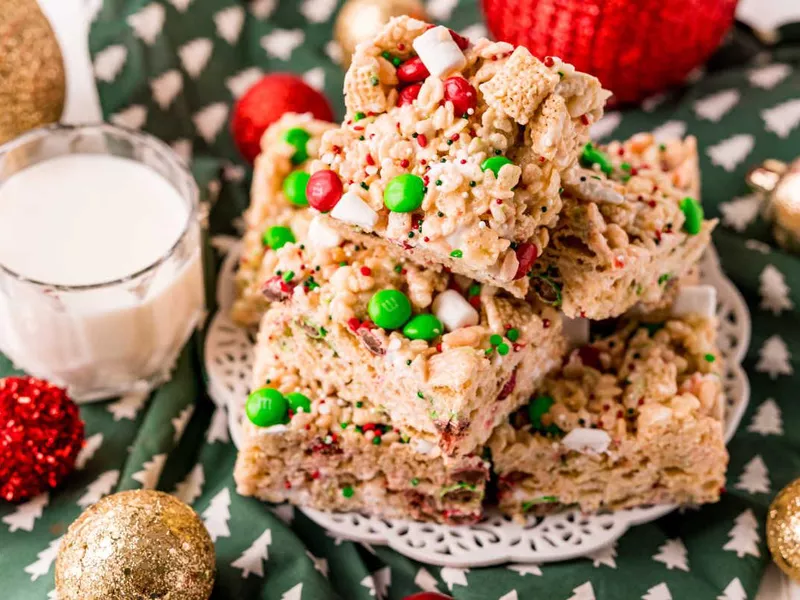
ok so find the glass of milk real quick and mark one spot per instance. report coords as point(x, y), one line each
point(101, 280)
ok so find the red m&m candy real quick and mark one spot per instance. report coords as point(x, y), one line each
point(461, 93)
point(412, 71)
point(323, 190)
point(409, 94)
point(526, 254)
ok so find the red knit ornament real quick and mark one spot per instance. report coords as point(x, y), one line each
point(41, 434)
point(266, 101)
point(635, 48)
point(428, 596)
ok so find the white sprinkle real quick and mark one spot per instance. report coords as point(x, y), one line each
point(324, 409)
point(369, 435)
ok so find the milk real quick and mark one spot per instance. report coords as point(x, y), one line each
point(84, 306)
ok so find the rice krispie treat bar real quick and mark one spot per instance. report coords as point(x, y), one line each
point(625, 231)
point(277, 207)
point(317, 450)
point(452, 152)
point(447, 359)
point(633, 418)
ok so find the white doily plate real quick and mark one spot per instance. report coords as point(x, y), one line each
point(569, 534)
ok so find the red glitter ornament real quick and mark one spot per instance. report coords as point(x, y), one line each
point(428, 596)
point(634, 48)
point(266, 101)
point(41, 434)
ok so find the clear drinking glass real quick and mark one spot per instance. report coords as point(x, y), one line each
point(114, 337)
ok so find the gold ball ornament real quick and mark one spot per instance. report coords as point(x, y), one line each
point(779, 185)
point(32, 81)
point(783, 530)
point(136, 545)
point(360, 20)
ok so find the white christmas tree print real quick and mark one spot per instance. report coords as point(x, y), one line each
point(651, 103)
point(605, 126)
point(25, 515)
point(52, 595)
point(218, 428)
point(716, 106)
point(744, 536)
point(194, 56)
point(425, 581)
point(229, 23)
point(296, 593)
point(93, 443)
point(478, 30)
point(453, 576)
point(671, 130)
point(317, 11)
point(252, 560)
point(233, 173)
point(109, 62)
point(334, 51)
point(217, 515)
point(740, 212)
point(512, 595)
point(441, 10)
point(44, 560)
point(320, 564)
point(241, 82)
point(774, 357)
point(166, 87)
point(774, 291)
point(767, 420)
point(782, 118)
point(730, 152)
point(191, 487)
point(755, 477)
point(382, 578)
point(100, 487)
point(734, 591)
point(658, 592)
point(673, 554)
point(262, 9)
point(128, 406)
point(604, 556)
point(285, 512)
point(769, 76)
point(315, 78)
point(583, 592)
point(757, 245)
point(529, 569)
point(151, 471)
point(209, 120)
point(180, 5)
point(282, 42)
point(181, 421)
point(148, 23)
point(133, 117)
point(183, 148)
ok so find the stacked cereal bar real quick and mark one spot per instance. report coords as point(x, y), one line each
point(330, 454)
point(452, 153)
point(276, 214)
point(633, 418)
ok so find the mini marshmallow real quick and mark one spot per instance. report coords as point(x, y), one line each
point(422, 446)
point(700, 300)
point(576, 331)
point(452, 309)
point(322, 236)
point(352, 209)
point(439, 53)
point(587, 441)
point(274, 429)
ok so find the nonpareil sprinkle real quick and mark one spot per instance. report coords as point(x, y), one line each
point(457, 254)
point(348, 491)
point(288, 276)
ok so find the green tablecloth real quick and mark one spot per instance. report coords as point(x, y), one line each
point(745, 109)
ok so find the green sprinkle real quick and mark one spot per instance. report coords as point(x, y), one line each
point(652, 328)
point(288, 276)
point(420, 395)
point(662, 147)
point(593, 156)
point(456, 254)
point(343, 424)
point(359, 429)
point(397, 61)
point(385, 54)
point(710, 358)
point(408, 363)
point(358, 116)
point(664, 278)
point(364, 185)
point(474, 289)
point(625, 166)
point(526, 506)
point(495, 339)
point(488, 351)
point(398, 268)
point(376, 441)
point(347, 491)
point(561, 74)
point(374, 80)
point(359, 404)
point(415, 482)
point(512, 334)
point(502, 349)
point(473, 183)
point(694, 215)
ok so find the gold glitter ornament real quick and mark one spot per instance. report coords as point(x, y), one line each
point(783, 530)
point(32, 81)
point(779, 185)
point(136, 545)
point(360, 20)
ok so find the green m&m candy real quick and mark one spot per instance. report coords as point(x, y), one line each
point(297, 401)
point(266, 407)
point(537, 408)
point(389, 309)
point(404, 193)
point(298, 137)
point(294, 187)
point(278, 236)
point(423, 327)
point(494, 164)
point(694, 215)
point(593, 156)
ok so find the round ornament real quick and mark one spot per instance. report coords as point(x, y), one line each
point(359, 20)
point(783, 529)
point(133, 545)
point(634, 48)
point(265, 102)
point(32, 80)
point(779, 185)
point(41, 433)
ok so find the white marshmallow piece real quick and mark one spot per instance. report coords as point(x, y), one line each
point(439, 53)
point(587, 441)
point(700, 300)
point(576, 331)
point(322, 236)
point(352, 209)
point(453, 310)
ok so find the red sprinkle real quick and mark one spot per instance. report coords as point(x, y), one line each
point(651, 203)
point(585, 120)
point(287, 484)
point(353, 324)
point(368, 426)
point(401, 46)
point(475, 301)
point(545, 323)
point(315, 475)
point(548, 61)
point(422, 140)
point(526, 255)
point(370, 160)
point(404, 163)
point(439, 347)
point(366, 271)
